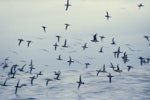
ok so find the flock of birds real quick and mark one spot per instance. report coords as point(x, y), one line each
point(15, 69)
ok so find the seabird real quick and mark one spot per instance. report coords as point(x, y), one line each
point(101, 50)
point(29, 42)
point(66, 26)
point(113, 41)
point(87, 64)
point(146, 37)
point(59, 57)
point(95, 38)
point(65, 44)
point(129, 67)
point(67, 5)
point(55, 45)
point(20, 41)
point(44, 28)
point(80, 82)
point(70, 61)
point(110, 76)
point(140, 5)
point(117, 52)
point(22, 69)
point(107, 15)
point(47, 80)
point(4, 84)
point(58, 38)
point(85, 46)
point(32, 78)
point(102, 37)
point(57, 75)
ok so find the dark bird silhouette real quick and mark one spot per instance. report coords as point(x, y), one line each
point(22, 68)
point(40, 73)
point(58, 38)
point(98, 71)
point(129, 67)
point(125, 57)
point(55, 46)
point(112, 66)
point(140, 5)
point(101, 37)
point(29, 42)
point(95, 38)
point(57, 75)
point(118, 69)
point(103, 70)
point(47, 80)
point(4, 84)
point(146, 37)
point(70, 61)
point(66, 26)
point(84, 46)
point(20, 41)
point(87, 64)
point(80, 82)
point(17, 86)
point(110, 76)
point(142, 60)
point(107, 15)
point(59, 58)
point(65, 44)
point(113, 41)
point(31, 67)
point(32, 78)
point(67, 5)
point(44, 28)
point(116, 53)
point(101, 50)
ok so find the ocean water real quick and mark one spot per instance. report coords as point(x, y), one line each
point(128, 25)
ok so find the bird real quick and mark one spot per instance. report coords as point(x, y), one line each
point(140, 5)
point(112, 66)
point(142, 60)
point(44, 28)
point(47, 80)
point(113, 41)
point(40, 73)
point(4, 84)
point(66, 26)
point(31, 67)
point(58, 38)
point(95, 38)
point(55, 45)
point(84, 46)
point(102, 37)
point(117, 52)
point(17, 86)
point(110, 76)
point(80, 82)
point(67, 5)
point(57, 75)
point(32, 78)
point(118, 69)
point(20, 41)
point(70, 61)
point(101, 50)
point(22, 69)
point(59, 58)
point(129, 67)
point(29, 42)
point(65, 44)
point(103, 70)
point(98, 71)
point(107, 15)
point(146, 37)
point(87, 64)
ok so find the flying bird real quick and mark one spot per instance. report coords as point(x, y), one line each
point(80, 82)
point(29, 42)
point(95, 38)
point(140, 5)
point(129, 67)
point(107, 15)
point(147, 37)
point(66, 26)
point(57, 75)
point(47, 80)
point(67, 5)
point(101, 50)
point(70, 61)
point(59, 58)
point(55, 45)
point(102, 37)
point(117, 52)
point(113, 41)
point(109, 76)
point(44, 28)
point(85, 46)
point(65, 44)
point(58, 38)
point(20, 41)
